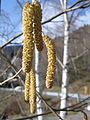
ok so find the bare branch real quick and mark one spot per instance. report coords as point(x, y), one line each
point(66, 11)
point(76, 107)
point(19, 4)
point(78, 2)
point(12, 66)
point(4, 71)
point(10, 78)
point(77, 57)
point(85, 115)
point(9, 41)
point(61, 64)
point(32, 116)
point(50, 108)
point(6, 97)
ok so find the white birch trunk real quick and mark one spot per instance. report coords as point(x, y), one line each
point(64, 88)
point(38, 81)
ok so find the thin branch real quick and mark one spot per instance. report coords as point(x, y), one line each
point(4, 71)
point(78, 2)
point(6, 97)
point(61, 64)
point(10, 77)
point(12, 66)
point(81, 102)
point(66, 11)
point(50, 108)
point(75, 107)
point(9, 41)
point(61, 2)
point(77, 57)
point(7, 60)
point(85, 115)
point(19, 4)
point(32, 116)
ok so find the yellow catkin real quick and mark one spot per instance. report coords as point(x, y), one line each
point(32, 94)
point(51, 61)
point(27, 87)
point(37, 25)
point(28, 47)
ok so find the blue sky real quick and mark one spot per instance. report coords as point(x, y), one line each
point(51, 8)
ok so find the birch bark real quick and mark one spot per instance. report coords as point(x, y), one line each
point(64, 87)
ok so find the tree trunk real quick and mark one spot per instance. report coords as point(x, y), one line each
point(38, 83)
point(64, 88)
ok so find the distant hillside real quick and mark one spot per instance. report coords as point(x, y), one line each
point(79, 45)
point(79, 41)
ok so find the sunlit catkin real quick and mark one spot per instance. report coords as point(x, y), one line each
point(27, 87)
point(51, 61)
point(32, 94)
point(28, 47)
point(37, 25)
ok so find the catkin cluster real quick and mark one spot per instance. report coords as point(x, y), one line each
point(30, 90)
point(32, 31)
point(51, 61)
point(27, 22)
point(37, 25)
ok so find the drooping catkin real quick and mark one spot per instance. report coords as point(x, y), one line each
point(28, 47)
point(32, 93)
point(51, 61)
point(27, 87)
point(37, 25)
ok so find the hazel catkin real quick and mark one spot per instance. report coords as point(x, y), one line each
point(37, 25)
point(51, 61)
point(27, 87)
point(28, 47)
point(32, 93)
